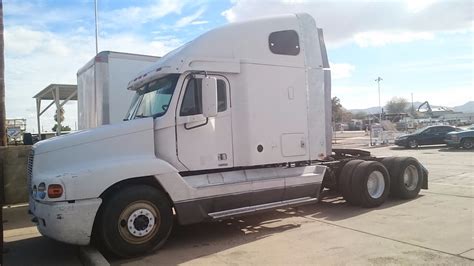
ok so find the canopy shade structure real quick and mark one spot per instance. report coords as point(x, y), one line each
point(59, 94)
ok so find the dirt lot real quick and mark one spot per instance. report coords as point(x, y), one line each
point(435, 228)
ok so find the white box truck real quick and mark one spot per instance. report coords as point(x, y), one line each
point(232, 123)
point(102, 97)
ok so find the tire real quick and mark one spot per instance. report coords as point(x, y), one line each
point(467, 144)
point(412, 144)
point(345, 181)
point(389, 163)
point(370, 184)
point(134, 220)
point(406, 177)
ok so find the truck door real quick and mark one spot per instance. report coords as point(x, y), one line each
point(204, 143)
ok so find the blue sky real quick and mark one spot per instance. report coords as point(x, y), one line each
point(423, 47)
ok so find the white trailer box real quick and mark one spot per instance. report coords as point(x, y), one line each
point(101, 87)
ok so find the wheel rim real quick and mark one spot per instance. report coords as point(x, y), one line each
point(410, 177)
point(467, 144)
point(412, 143)
point(139, 222)
point(375, 184)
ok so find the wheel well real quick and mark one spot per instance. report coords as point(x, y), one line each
point(144, 180)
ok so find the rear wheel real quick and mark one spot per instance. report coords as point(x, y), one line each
point(406, 177)
point(346, 181)
point(134, 220)
point(467, 144)
point(370, 184)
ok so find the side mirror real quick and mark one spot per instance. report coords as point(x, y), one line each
point(209, 97)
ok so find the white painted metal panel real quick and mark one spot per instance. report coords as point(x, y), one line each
point(293, 144)
point(201, 140)
point(102, 82)
point(121, 71)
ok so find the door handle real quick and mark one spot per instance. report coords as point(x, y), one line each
point(193, 125)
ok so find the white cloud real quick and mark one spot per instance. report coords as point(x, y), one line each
point(185, 21)
point(381, 38)
point(341, 70)
point(418, 5)
point(137, 15)
point(343, 20)
point(199, 22)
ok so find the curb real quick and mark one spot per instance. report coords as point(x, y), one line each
point(89, 256)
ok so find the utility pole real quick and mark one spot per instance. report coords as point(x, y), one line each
point(380, 106)
point(3, 130)
point(96, 28)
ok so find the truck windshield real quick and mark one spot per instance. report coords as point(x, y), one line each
point(153, 98)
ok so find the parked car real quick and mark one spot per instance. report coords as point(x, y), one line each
point(464, 138)
point(425, 136)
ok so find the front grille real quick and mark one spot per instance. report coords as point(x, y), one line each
point(30, 169)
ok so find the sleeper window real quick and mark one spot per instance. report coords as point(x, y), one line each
point(284, 42)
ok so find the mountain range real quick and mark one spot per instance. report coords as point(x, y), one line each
point(465, 108)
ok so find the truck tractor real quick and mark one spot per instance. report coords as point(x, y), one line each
point(234, 122)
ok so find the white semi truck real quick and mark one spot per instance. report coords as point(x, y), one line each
point(234, 122)
point(101, 95)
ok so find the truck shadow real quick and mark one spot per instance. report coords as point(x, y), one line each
point(195, 241)
point(448, 149)
point(429, 147)
point(334, 208)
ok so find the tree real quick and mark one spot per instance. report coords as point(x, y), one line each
point(360, 115)
point(396, 105)
point(63, 128)
point(336, 109)
point(339, 113)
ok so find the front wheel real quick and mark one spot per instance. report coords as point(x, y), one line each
point(134, 220)
point(467, 144)
point(412, 144)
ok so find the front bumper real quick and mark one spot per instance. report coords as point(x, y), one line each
point(452, 143)
point(66, 222)
point(401, 142)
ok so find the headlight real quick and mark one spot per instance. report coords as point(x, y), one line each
point(402, 138)
point(41, 190)
point(453, 137)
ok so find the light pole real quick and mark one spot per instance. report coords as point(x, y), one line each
point(380, 106)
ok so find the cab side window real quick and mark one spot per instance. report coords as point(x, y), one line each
point(193, 97)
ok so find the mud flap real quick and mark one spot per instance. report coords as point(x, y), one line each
point(424, 185)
